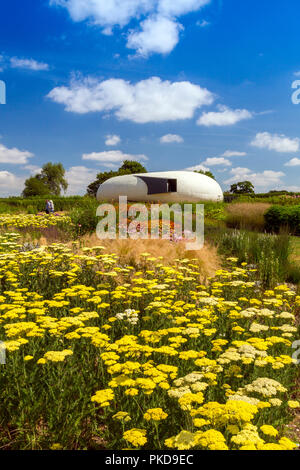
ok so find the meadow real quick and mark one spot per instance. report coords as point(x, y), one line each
point(141, 345)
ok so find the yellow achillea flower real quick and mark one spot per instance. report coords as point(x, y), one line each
point(199, 422)
point(269, 430)
point(57, 356)
point(56, 447)
point(287, 444)
point(41, 361)
point(211, 439)
point(293, 404)
point(186, 400)
point(185, 440)
point(155, 414)
point(103, 397)
point(136, 437)
point(132, 392)
point(122, 416)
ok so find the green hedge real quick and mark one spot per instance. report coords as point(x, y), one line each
point(283, 218)
point(37, 204)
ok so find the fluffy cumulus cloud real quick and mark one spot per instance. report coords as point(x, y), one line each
point(293, 162)
point(224, 117)
point(30, 64)
point(215, 161)
point(14, 156)
point(10, 184)
point(233, 153)
point(79, 177)
point(265, 179)
point(34, 169)
point(199, 167)
point(111, 157)
point(171, 138)
point(279, 143)
point(158, 34)
point(151, 100)
point(158, 20)
point(112, 140)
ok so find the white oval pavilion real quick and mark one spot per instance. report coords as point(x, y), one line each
point(165, 186)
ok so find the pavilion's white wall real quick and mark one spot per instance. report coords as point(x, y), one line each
point(191, 187)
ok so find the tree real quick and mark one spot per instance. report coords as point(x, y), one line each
point(53, 176)
point(243, 187)
point(50, 181)
point(35, 187)
point(131, 166)
point(128, 167)
point(206, 173)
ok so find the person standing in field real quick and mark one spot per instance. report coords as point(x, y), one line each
point(48, 207)
point(51, 206)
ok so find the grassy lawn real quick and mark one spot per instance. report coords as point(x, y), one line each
point(296, 249)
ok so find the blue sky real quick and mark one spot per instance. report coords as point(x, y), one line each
point(175, 84)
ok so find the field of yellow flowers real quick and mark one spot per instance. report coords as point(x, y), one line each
point(104, 355)
point(31, 221)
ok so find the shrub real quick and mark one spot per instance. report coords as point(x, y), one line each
point(283, 217)
point(268, 253)
point(84, 219)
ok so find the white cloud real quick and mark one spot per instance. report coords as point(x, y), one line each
point(158, 19)
point(34, 169)
point(197, 168)
point(225, 117)
point(14, 156)
point(10, 184)
point(293, 162)
point(264, 179)
point(279, 143)
point(151, 100)
point(292, 189)
point(233, 153)
point(79, 177)
point(180, 7)
point(30, 64)
point(297, 74)
point(217, 161)
point(112, 139)
point(203, 23)
point(106, 13)
point(112, 156)
point(158, 34)
point(171, 138)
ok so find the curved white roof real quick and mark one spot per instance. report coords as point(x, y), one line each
point(174, 186)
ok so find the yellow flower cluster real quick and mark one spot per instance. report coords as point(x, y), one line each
point(207, 366)
point(31, 221)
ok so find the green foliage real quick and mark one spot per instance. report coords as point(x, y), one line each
point(50, 181)
point(83, 218)
point(283, 217)
point(35, 187)
point(206, 173)
point(271, 198)
point(268, 253)
point(33, 205)
point(243, 187)
point(128, 167)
